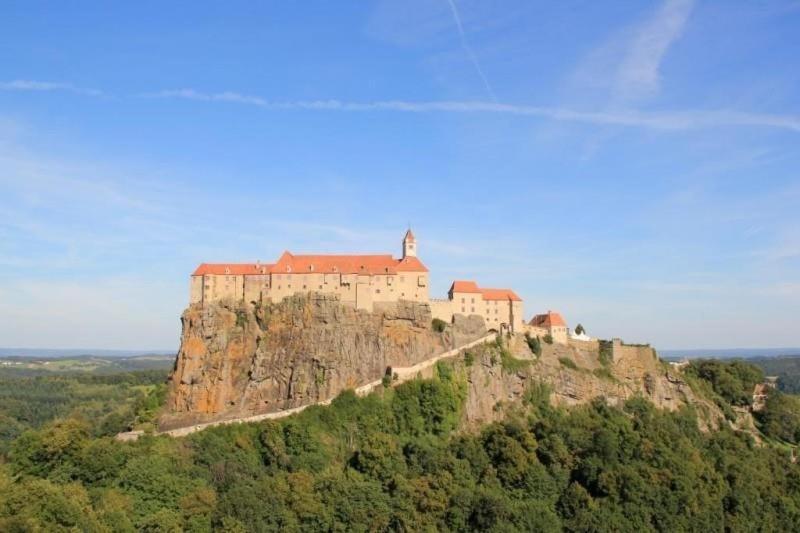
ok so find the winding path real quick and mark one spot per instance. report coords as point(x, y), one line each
point(403, 374)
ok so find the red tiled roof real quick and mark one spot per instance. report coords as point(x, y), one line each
point(488, 294)
point(232, 269)
point(347, 264)
point(549, 319)
point(464, 286)
point(500, 294)
point(303, 264)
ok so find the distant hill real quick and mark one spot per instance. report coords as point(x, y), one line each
point(728, 353)
point(27, 366)
point(75, 352)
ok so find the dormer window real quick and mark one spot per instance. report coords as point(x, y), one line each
point(311, 268)
point(227, 270)
point(288, 268)
point(336, 269)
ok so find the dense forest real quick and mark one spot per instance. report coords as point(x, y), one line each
point(111, 402)
point(396, 461)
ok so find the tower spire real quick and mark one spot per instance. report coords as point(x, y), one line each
point(409, 244)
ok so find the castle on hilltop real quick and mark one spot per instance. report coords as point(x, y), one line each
point(362, 281)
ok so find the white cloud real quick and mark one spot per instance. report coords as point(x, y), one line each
point(663, 120)
point(47, 86)
point(639, 73)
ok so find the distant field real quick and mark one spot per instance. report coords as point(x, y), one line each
point(24, 366)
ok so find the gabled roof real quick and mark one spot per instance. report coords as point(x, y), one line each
point(232, 269)
point(547, 320)
point(304, 264)
point(500, 294)
point(487, 294)
point(347, 264)
point(464, 286)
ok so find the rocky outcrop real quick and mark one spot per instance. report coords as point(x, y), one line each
point(574, 374)
point(239, 360)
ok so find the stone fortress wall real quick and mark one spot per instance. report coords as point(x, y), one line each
point(364, 282)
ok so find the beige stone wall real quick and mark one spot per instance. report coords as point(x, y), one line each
point(212, 288)
point(442, 309)
point(593, 345)
point(495, 313)
point(196, 289)
point(559, 334)
point(353, 289)
point(621, 351)
point(535, 331)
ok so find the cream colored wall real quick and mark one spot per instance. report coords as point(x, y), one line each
point(196, 289)
point(223, 286)
point(559, 334)
point(494, 312)
point(442, 309)
point(277, 286)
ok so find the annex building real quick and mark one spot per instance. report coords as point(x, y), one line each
point(362, 281)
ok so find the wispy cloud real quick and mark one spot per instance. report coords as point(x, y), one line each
point(665, 120)
point(468, 50)
point(639, 73)
point(47, 86)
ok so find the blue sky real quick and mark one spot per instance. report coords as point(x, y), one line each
point(635, 165)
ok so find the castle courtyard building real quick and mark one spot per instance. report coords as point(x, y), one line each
point(359, 280)
point(362, 281)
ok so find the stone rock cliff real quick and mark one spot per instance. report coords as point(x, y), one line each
point(239, 360)
point(635, 371)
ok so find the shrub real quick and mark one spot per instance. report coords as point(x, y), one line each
point(567, 362)
point(534, 343)
point(733, 381)
point(604, 373)
point(469, 358)
point(579, 330)
point(548, 339)
point(510, 363)
point(438, 325)
point(606, 354)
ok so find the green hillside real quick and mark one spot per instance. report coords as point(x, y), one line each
point(396, 461)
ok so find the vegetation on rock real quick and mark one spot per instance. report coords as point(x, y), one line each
point(396, 461)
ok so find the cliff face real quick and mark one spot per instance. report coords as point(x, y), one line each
point(574, 374)
point(237, 360)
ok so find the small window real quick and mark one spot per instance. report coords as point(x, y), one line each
point(473, 301)
point(463, 300)
point(320, 287)
point(472, 310)
point(463, 310)
point(377, 291)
